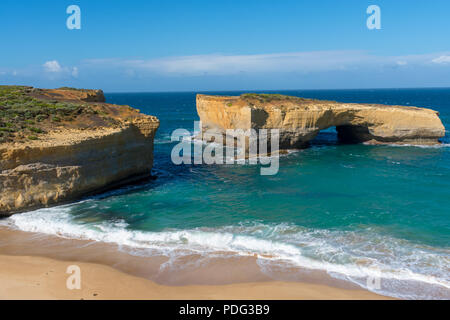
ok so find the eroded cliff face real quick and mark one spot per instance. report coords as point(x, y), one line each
point(76, 158)
point(300, 120)
point(69, 94)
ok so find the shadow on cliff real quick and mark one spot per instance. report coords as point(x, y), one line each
point(164, 171)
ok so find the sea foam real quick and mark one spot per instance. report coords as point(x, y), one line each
point(401, 266)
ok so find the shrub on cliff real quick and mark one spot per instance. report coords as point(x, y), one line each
point(19, 109)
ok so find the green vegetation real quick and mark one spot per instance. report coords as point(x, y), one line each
point(36, 130)
point(22, 114)
point(264, 97)
point(74, 89)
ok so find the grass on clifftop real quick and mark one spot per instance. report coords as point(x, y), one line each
point(23, 116)
point(265, 97)
point(73, 89)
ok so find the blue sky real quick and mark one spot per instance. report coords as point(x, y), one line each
point(225, 45)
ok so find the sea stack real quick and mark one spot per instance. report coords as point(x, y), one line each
point(300, 120)
point(59, 145)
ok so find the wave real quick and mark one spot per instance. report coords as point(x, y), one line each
point(404, 268)
point(423, 146)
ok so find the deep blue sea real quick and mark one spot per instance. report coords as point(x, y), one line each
point(354, 211)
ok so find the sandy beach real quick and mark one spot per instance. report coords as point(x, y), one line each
point(34, 266)
point(251, 151)
point(44, 278)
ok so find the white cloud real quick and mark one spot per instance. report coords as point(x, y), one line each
point(9, 73)
point(52, 66)
point(75, 72)
point(441, 60)
point(233, 64)
point(258, 66)
point(303, 62)
point(54, 70)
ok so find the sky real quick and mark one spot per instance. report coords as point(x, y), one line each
point(198, 45)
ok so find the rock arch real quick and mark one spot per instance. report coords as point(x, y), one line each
point(300, 120)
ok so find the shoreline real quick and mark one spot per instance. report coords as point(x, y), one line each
point(37, 278)
point(33, 266)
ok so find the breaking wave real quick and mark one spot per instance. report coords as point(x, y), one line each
point(405, 269)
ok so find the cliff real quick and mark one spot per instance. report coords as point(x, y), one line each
point(300, 120)
point(59, 145)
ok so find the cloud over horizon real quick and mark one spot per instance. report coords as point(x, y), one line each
point(303, 62)
point(310, 69)
point(442, 60)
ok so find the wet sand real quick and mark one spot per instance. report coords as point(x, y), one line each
point(34, 266)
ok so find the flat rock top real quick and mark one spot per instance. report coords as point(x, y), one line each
point(287, 103)
point(31, 116)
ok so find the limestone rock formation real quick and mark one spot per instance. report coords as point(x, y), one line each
point(100, 146)
point(69, 94)
point(300, 120)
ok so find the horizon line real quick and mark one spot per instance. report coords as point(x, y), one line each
point(274, 90)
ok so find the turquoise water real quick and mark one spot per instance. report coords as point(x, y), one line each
point(354, 211)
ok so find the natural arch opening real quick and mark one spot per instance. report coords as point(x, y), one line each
point(343, 134)
point(327, 136)
point(352, 134)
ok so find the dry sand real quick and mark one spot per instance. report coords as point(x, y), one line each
point(44, 278)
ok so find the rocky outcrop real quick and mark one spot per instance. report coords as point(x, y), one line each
point(77, 158)
point(300, 120)
point(86, 95)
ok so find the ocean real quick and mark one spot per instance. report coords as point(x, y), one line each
point(374, 216)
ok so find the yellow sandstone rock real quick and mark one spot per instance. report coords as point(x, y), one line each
point(300, 120)
point(78, 157)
